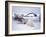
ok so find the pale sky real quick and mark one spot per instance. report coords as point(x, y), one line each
point(25, 10)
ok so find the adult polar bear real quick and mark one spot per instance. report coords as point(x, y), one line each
point(30, 23)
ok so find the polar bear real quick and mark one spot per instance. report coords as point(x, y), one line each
point(30, 23)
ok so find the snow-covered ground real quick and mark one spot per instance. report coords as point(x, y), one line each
point(25, 27)
point(26, 10)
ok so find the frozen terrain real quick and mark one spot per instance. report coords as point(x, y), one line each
point(25, 10)
point(24, 27)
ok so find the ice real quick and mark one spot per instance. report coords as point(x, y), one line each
point(25, 10)
point(24, 27)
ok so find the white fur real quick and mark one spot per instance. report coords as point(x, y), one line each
point(30, 23)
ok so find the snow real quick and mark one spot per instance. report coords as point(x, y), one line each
point(25, 11)
point(24, 27)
